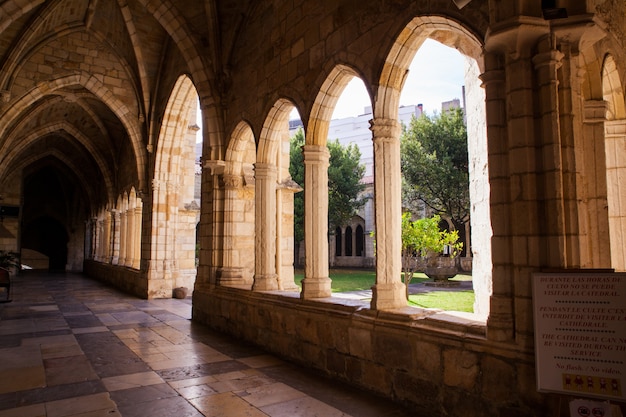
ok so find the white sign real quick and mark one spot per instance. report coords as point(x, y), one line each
point(580, 333)
point(587, 408)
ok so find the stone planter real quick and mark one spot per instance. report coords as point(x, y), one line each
point(440, 269)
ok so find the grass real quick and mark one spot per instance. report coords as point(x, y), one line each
point(344, 280)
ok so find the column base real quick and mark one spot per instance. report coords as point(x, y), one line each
point(265, 283)
point(388, 296)
point(318, 287)
point(231, 277)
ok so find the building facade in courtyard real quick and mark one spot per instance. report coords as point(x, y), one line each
point(97, 134)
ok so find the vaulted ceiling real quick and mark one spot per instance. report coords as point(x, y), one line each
point(84, 81)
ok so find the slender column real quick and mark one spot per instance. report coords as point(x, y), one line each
point(108, 225)
point(616, 169)
point(211, 221)
point(122, 237)
point(130, 237)
point(316, 283)
point(96, 239)
point(265, 277)
point(285, 235)
point(388, 292)
point(554, 252)
point(500, 322)
point(115, 237)
point(137, 240)
point(230, 274)
point(593, 191)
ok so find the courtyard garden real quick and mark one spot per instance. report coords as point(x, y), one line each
point(350, 280)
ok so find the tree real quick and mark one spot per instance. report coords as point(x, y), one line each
point(344, 183)
point(434, 164)
point(422, 239)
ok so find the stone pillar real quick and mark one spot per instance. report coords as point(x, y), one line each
point(122, 237)
point(593, 190)
point(130, 236)
point(265, 277)
point(97, 237)
point(285, 235)
point(106, 236)
point(231, 274)
point(114, 237)
point(615, 137)
point(500, 322)
point(554, 252)
point(389, 292)
point(316, 283)
point(211, 221)
point(137, 213)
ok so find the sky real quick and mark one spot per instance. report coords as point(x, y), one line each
point(435, 75)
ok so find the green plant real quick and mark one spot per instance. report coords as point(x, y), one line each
point(9, 260)
point(425, 238)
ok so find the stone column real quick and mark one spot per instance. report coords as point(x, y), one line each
point(615, 137)
point(265, 277)
point(114, 239)
point(106, 236)
point(211, 222)
point(500, 322)
point(554, 253)
point(389, 292)
point(137, 213)
point(285, 235)
point(593, 190)
point(231, 274)
point(122, 237)
point(130, 237)
point(97, 237)
point(316, 283)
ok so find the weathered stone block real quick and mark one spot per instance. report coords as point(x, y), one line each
point(498, 379)
point(460, 369)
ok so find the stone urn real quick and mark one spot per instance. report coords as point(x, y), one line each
point(440, 269)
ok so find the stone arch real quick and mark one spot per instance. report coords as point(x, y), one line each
point(239, 210)
point(325, 101)
point(274, 203)
point(273, 132)
point(17, 146)
point(204, 79)
point(348, 241)
point(386, 133)
point(316, 281)
point(615, 150)
point(613, 90)
point(238, 154)
point(394, 72)
point(91, 83)
point(359, 236)
point(172, 253)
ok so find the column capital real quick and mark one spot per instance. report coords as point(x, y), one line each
point(214, 166)
point(264, 170)
point(594, 111)
point(490, 77)
point(316, 154)
point(552, 59)
point(384, 128)
point(232, 182)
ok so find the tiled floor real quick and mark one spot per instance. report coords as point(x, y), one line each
point(70, 346)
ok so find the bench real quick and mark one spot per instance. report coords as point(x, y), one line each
point(5, 284)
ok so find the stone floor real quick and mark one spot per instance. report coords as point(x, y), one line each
point(71, 346)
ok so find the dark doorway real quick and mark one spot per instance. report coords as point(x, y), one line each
point(48, 236)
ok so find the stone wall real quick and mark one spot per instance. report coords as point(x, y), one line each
point(130, 280)
point(436, 363)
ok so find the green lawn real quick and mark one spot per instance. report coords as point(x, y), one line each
point(344, 280)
